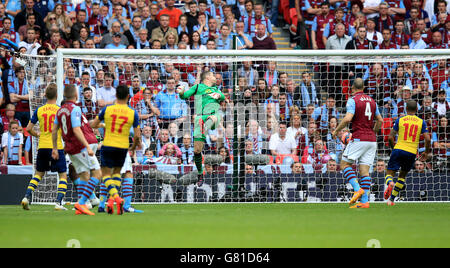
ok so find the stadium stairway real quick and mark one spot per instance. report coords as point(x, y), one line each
point(281, 38)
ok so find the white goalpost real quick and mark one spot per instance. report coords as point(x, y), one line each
point(300, 94)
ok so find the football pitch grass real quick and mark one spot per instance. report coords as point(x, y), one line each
point(274, 225)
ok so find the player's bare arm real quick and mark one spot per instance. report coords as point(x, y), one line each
point(55, 130)
point(378, 123)
point(96, 123)
point(345, 121)
point(30, 129)
point(136, 139)
point(427, 153)
point(391, 138)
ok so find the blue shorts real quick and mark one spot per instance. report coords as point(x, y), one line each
point(401, 160)
point(45, 162)
point(112, 157)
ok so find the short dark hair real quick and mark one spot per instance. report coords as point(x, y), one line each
point(70, 91)
point(51, 92)
point(411, 106)
point(122, 92)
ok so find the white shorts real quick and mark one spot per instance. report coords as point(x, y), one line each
point(127, 167)
point(362, 151)
point(82, 162)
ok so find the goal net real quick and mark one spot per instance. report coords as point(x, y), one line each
point(274, 141)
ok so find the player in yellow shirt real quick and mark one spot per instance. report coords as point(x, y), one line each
point(409, 128)
point(45, 116)
point(118, 119)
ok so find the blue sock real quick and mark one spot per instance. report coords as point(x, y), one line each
point(77, 185)
point(81, 188)
point(103, 195)
point(127, 191)
point(350, 176)
point(89, 189)
point(365, 185)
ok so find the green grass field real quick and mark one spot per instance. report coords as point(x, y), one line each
point(232, 226)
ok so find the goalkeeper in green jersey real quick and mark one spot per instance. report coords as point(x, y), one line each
point(207, 99)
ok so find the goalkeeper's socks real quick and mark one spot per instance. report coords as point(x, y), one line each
point(127, 192)
point(88, 190)
point(350, 176)
point(398, 187)
point(198, 162)
point(32, 186)
point(365, 185)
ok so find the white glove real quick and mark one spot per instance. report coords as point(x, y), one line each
point(215, 96)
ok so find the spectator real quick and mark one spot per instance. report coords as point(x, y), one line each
point(324, 113)
point(149, 18)
point(244, 40)
point(106, 95)
point(172, 108)
point(172, 12)
point(119, 15)
point(21, 17)
point(162, 139)
point(187, 150)
point(442, 106)
point(10, 116)
point(441, 139)
point(30, 43)
point(384, 20)
point(318, 26)
point(133, 32)
point(417, 42)
point(335, 70)
point(399, 36)
point(262, 40)
point(62, 20)
point(249, 170)
point(372, 34)
point(163, 30)
point(318, 157)
point(55, 41)
point(330, 28)
point(19, 95)
point(387, 42)
point(255, 135)
point(116, 42)
point(297, 168)
point(377, 83)
point(360, 42)
point(332, 166)
point(296, 129)
point(282, 144)
point(114, 30)
point(169, 155)
point(419, 167)
point(436, 41)
point(380, 167)
point(148, 142)
point(89, 107)
point(80, 23)
point(12, 143)
point(334, 146)
point(31, 24)
point(257, 19)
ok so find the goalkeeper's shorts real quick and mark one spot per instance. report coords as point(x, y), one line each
point(199, 126)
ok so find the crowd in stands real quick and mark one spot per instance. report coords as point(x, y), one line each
point(299, 117)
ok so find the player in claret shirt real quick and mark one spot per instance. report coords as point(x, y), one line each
point(361, 112)
point(80, 144)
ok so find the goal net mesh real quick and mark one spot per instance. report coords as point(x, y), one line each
point(246, 159)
